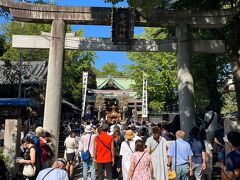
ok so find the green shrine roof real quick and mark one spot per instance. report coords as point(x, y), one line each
point(121, 83)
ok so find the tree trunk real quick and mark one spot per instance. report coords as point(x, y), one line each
point(213, 94)
point(233, 47)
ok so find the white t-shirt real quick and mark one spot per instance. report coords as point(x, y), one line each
point(70, 144)
point(56, 174)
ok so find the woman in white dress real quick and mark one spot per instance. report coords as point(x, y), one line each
point(127, 148)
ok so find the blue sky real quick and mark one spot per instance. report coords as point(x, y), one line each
point(103, 57)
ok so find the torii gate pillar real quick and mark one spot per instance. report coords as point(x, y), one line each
point(52, 109)
point(185, 79)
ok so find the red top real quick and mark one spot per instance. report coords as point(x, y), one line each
point(103, 155)
point(44, 151)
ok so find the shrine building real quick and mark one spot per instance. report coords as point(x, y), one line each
point(116, 94)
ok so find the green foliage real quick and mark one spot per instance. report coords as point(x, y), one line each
point(17, 28)
point(75, 63)
point(161, 73)
point(230, 104)
point(5, 159)
point(109, 69)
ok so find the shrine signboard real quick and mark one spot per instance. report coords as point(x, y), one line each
point(122, 25)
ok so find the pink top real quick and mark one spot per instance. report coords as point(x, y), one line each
point(85, 141)
point(142, 171)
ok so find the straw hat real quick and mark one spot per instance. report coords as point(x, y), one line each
point(88, 128)
point(129, 134)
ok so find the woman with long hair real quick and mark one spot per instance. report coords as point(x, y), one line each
point(141, 164)
point(118, 139)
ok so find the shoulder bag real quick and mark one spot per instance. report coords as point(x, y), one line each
point(47, 173)
point(86, 156)
point(156, 146)
point(137, 163)
point(128, 143)
point(104, 144)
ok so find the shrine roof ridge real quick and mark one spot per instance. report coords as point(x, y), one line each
point(28, 12)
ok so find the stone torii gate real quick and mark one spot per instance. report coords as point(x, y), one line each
point(57, 41)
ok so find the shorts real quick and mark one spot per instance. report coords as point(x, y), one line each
point(70, 156)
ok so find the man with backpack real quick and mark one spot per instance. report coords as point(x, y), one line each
point(87, 149)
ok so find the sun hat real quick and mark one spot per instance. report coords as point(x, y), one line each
point(129, 134)
point(62, 160)
point(88, 128)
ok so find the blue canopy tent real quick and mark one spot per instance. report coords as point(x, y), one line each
point(17, 102)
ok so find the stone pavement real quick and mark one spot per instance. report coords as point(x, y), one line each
point(78, 172)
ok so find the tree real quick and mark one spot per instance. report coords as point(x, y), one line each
point(161, 73)
point(109, 69)
point(206, 87)
point(18, 28)
point(75, 61)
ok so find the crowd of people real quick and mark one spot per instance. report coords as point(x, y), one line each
point(150, 151)
point(132, 151)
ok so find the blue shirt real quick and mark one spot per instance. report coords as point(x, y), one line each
point(183, 152)
point(197, 146)
point(233, 161)
point(56, 174)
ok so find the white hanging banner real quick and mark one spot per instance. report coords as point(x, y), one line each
point(84, 92)
point(144, 97)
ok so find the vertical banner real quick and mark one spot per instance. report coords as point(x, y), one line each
point(144, 97)
point(84, 91)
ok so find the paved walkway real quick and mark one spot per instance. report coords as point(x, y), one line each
point(78, 172)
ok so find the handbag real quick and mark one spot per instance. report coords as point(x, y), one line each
point(104, 144)
point(86, 154)
point(172, 173)
point(29, 170)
